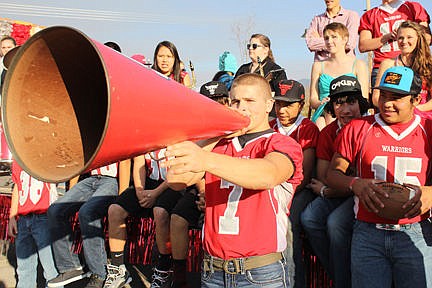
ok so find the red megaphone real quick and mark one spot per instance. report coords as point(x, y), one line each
point(71, 104)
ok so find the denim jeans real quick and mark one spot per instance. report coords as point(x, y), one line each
point(328, 225)
point(274, 275)
point(33, 240)
point(300, 201)
point(91, 197)
point(380, 257)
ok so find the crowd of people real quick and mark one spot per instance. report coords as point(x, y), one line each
point(265, 190)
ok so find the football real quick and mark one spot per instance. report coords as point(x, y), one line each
point(398, 195)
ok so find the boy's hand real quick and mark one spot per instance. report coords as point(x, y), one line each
point(12, 227)
point(185, 157)
point(146, 198)
point(316, 186)
point(415, 203)
point(366, 190)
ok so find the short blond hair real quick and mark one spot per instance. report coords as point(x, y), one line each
point(253, 79)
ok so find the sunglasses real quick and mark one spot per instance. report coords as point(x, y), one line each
point(254, 46)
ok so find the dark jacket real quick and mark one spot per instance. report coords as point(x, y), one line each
point(268, 66)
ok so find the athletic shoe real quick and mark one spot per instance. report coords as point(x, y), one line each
point(161, 279)
point(117, 276)
point(95, 282)
point(67, 277)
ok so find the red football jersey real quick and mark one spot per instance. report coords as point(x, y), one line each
point(304, 131)
point(154, 171)
point(381, 21)
point(325, 148)
point(108, 170)
point(34, 196)
point(243, 222)
point(399, 153)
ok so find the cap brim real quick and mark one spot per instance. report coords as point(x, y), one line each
point(393, 90)
point(281, 98)
point(348, 93)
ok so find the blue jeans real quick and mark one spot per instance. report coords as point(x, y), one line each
point(300, 201)
point(33, 240)
point(91, 197)
point(271, 276)
point(380, 257)
point(328, 225)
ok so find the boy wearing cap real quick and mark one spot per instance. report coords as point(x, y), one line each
point(289, 101)
point(385, 250)
point(328, 219)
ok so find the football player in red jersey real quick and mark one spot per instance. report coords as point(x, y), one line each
point(328, 219)
point(28, 222)
point(289, 101)
point(250, 180)
point(378, 28)
point(392, 146)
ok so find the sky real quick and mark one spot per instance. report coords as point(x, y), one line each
point(201, 30)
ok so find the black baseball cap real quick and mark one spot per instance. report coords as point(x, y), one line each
point(214, 89)
point(400, 80)
point(289, 91)
point(345, 85)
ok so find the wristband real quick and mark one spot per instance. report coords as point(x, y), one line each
point(322, 191)
point(352, 183)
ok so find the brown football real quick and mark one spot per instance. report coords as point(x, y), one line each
point(398, 195)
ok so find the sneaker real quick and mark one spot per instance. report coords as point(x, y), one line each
point(161, 279)
point(117, 276)
point(95, 282)
point(67, 277)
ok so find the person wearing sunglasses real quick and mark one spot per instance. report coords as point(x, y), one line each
point(262, 61)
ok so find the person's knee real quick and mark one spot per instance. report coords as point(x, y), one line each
point(116, 213)
point(54, 212)
point(178, 223)
point(307, 218)
point(160, 215)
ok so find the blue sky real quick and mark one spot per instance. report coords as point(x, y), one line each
point(201, 30)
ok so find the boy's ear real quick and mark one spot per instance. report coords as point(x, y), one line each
point(269, 105)
point(416, 99)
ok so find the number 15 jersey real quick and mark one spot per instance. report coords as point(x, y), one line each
point(399, 153)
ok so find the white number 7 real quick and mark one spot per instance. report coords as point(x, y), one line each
point(229, 223)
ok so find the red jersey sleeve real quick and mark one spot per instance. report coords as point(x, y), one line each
point(287, 145)
point(325, 147)
point(366, 21)
point(419, 12)
point(308, 135)
point(16, 170)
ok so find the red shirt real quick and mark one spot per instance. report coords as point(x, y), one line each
point(326, 148)
point(380, 21)
point(242, 222)
point(110, 170)
point(399, 153)
point(304, 131)
point(34, 196)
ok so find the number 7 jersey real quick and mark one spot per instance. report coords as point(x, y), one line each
point(241, 222)
point(380, 151)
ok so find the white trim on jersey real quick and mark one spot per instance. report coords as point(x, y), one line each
point(238, 147)
point(287, 131)
point(393, 8)
point(393, 134)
